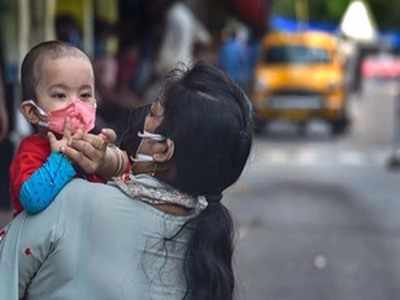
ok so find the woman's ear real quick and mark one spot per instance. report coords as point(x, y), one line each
point(167, 154)
point(29, 112)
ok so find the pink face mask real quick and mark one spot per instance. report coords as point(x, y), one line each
point(82, 115)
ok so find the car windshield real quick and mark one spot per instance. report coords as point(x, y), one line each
point(296, 55)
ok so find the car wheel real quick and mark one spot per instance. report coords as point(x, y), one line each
point(302, 128)
point(259, 125)
point(340, 126)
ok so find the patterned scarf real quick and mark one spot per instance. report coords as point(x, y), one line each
point(149, 189)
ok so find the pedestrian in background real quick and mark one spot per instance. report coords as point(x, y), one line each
point(6, 146)
point(182, 32)
point(3, 111)
point(234, 55)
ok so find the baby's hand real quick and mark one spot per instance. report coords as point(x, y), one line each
point(59, 145)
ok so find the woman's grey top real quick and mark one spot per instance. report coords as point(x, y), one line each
point(93, 242)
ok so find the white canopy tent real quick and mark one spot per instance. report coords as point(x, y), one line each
point(358, 23)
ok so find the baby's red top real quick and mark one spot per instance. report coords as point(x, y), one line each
point(32, 153)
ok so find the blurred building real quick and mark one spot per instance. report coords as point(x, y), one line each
point(133, 28)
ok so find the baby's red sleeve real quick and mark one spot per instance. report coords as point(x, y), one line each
point(30, 156)
point(95, 178)
point(128, 168)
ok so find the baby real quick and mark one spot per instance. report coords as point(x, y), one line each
point(58, 99)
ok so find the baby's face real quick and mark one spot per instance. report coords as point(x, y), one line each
point(63, 79)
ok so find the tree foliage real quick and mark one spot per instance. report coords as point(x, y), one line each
point(386, 12)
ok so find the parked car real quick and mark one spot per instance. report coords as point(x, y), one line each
point(383, 65)
point(300, 77)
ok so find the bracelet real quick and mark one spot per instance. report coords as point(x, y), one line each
point(116, 156)
point(121, 161)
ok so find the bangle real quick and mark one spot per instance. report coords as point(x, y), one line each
point(121, 161)
point(114, 150)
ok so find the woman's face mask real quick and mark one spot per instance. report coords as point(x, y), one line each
point(152, 121)
point(140, 157)
point(81, 115)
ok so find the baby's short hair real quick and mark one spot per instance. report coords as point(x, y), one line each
point(30, 73)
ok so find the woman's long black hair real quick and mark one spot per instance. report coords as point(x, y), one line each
point(209, 118)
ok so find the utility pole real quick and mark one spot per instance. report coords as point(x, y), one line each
point(88, 30)
point(301, 10)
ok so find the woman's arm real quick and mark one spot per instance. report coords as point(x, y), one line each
point(106, 161)
point(96, 154)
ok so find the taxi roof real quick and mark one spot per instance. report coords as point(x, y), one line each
point(307, 38)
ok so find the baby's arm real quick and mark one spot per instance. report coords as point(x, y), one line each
point(41, 185)
point(40, 189)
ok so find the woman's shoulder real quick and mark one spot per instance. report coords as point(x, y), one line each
point(97, 198)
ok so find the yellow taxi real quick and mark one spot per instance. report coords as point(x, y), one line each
point(300, 77)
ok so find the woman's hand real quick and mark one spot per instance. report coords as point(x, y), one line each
point(89, 152)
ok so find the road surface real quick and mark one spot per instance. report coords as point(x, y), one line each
point(319, 218)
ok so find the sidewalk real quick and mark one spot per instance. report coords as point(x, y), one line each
point(5, 217)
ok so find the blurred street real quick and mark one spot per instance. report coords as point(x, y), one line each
point(318, 217)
